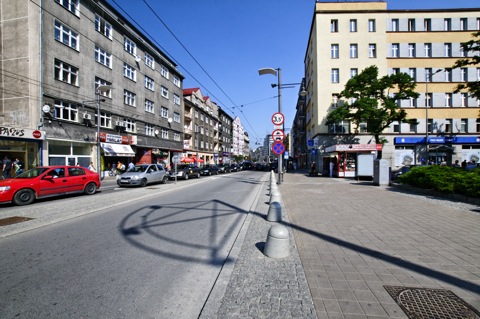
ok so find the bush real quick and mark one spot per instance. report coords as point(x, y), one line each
point(444, 179)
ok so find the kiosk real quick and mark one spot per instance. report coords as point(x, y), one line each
point(345, 158)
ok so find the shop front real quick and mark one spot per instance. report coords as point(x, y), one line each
point(342, 159)
point(24, 144)
point(114, 149)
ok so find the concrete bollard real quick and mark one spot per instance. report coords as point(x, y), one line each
point(278, 243)
point(275, 212)
point(273, 188)
point(275, 197)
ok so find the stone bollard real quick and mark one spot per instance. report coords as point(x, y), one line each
point(275, 197)
point(278, 243)
point(273, 188)
point(275, 212)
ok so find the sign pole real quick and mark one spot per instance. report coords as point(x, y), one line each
point(280, 161)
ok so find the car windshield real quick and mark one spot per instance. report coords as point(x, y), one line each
point(182, 166)
point(32, 173)
point(139, 169)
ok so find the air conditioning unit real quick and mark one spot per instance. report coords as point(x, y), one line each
point(120, 123)
point(87, 116)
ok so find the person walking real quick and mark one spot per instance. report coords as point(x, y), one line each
point(7, 166)
point(18, 166)
point(91, 167)
point(131, 165)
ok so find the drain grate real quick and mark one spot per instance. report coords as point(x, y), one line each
point(419, 303)
point(13, 220)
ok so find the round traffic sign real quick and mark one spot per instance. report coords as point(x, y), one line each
point(278, 135)
point(278, 118)
point(278, 148)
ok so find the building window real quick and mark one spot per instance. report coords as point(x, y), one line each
point(478, 125)
point(65, 111)
point(164, 92)
point(176, 99)
point(342, 127)
point(395, 50)
point(428, 50)
point(131, 125)
point(149, 130)
point(464, 126)
point(176, 117)
point(463, 24)
point(427, 24)
point(447, 23)
point(334, 51)
point(413, 102)
point(362, 127)
point(334, 101)
point(176, 81)
point(70, 5)
point(103, 57)
point(66, 73)
point(353, 72)
point(164, 133)
point(129, 72)
point(395, 25)
point(149, 61)
point(478, 74)
point(335, 76)
point(428, 99)
point(411, 50)
point(164, 112)
point(101, 82)
point(371, 25)
point(130, 46)
point(129, 98)
point(353, 51)
point(103, 26)
point(413, 73)
point(411, 25)
point(464, 99)
point(413, 126)
point(448, 50)
point(176, 136)
point(149, 83)
point(429, 125)
point(105, 119)
point(396, 127)
point(463, 74)
point(164, 71)
point(448, 99)
point(395, 71)
point(353, 25)
point(448, 126)
point(448, 75)
point(372, 50)
point(66, 35)
point(333, 25)
point(149, 106)
point(478, 23)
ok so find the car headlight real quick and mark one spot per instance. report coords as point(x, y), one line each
point(118, 177)
point(135, 177)
point(4, 188)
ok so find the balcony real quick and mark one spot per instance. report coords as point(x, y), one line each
point(188, 132)
point(188, 115)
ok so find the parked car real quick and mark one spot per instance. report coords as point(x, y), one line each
point(224, 168)
point(247, 165)
point(48, 181)
point(234, 167)
point(143, 174)
point(209, 170)
point(185, 171)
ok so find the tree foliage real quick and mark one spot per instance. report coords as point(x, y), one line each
point(375, 101)
point(472, 47)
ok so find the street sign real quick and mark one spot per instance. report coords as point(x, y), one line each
point(175, 159)
point(278, 118)
point(310, 143)
point(278, 135)
point(278, 148)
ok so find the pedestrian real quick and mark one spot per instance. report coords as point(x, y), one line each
point(120, 167)
point(464, 164)
point(7, 166)
point(332, 165)
point(91, 167)
point(18, 166)
point(131, 165)
point(457, 164)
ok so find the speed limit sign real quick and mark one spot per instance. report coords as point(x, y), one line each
point(278, 118)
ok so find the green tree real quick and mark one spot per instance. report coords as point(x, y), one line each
point(472, 47)
point(375, 101)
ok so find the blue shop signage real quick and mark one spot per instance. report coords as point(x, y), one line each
point(438, 140)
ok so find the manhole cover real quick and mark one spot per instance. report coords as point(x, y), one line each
point(13, 220)
point(419, 303)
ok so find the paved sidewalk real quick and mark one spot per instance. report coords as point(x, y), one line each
point(354, 238)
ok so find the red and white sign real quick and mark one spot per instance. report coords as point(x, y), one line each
point(278, 118)
point(15, 132)
point(278, 135)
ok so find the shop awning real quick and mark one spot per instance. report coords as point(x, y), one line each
point(117, 149)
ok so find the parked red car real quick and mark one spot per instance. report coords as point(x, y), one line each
point(48, 181)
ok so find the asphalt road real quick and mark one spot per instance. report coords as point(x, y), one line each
point(154, 252)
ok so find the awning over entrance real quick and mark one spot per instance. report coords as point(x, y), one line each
point(117, 149)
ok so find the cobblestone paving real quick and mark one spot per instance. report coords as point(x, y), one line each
point(262, 287)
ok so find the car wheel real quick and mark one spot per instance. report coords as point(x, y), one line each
point(24, 197)
point(164, 180)
point(90, 189)
point(143, 182)
point(186, 176)
point(209, 173)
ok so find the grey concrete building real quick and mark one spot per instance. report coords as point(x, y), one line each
point(65, 61)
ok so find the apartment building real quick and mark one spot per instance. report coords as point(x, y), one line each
point(76, 75)
point(224, 136)
point(347, 37)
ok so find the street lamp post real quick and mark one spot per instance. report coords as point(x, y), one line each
point(277, 73)
point(428, 78)
point(100, 89)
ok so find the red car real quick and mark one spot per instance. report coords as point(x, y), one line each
point(48, 181)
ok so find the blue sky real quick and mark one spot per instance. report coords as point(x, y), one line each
point(232, 39)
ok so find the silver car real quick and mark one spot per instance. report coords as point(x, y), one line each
point(142, 175)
